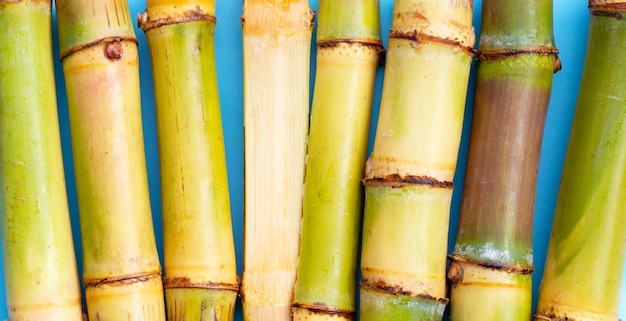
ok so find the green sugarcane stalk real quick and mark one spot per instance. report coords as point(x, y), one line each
point(121, 268)
point(349, 45)
point(492, 261)
point(40, 271)
point(585, 260)
point(199, 256)
point(408, 184)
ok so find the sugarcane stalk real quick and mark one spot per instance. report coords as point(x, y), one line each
point(199, 256)
point(492, 261)
point(408, 184)
point(40, 271)
point(121, 269)
point(349, 46)
point(586, 252)
point(276, 52)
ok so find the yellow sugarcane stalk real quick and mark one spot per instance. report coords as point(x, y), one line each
point(121, 269)
point(40, 272)
point(276, 44)
point(199, 257)
point(408, 184)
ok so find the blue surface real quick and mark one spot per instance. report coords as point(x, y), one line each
point(570, 24)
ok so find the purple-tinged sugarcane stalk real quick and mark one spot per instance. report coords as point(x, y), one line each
point(492, 261)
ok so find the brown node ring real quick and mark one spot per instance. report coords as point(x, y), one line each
point(323, 309)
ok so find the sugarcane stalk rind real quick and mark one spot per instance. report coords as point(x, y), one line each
point(40, 271)
point(326, 280)
point(584, 264)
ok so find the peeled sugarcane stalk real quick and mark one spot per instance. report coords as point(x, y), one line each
point(40, 271)
point(199, 258)
point(492, 261)
point(349, 46)
point(585, 260)
point(121, 269)
point(408, 184)
point(276, 52)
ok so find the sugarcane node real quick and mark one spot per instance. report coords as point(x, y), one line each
point(145, 23)
point(455, 273)
point(515, 268)
point(494, 55)
point(186, 283)
point(609, 14)
point(113, 51)
point(121, 280)
point(605, 8)
point(418, 37)
point(381, 52)
point(382, 286)
point(324, 309)
point(551, 316)
point(395, 181)
point(95, 43)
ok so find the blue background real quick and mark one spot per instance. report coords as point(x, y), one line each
point(570, 28)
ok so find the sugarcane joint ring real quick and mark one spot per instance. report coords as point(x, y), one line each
point(383, 287)
point(494, 55)
point(510, 268)
point(145, 22)
point(324, 309)
point(396, 180)
point(418, 37)
point(112, 51)
point(186, 283)
point(121, 280)
point(613, 10)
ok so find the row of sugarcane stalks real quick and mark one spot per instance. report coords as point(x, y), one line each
point(304, 176)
